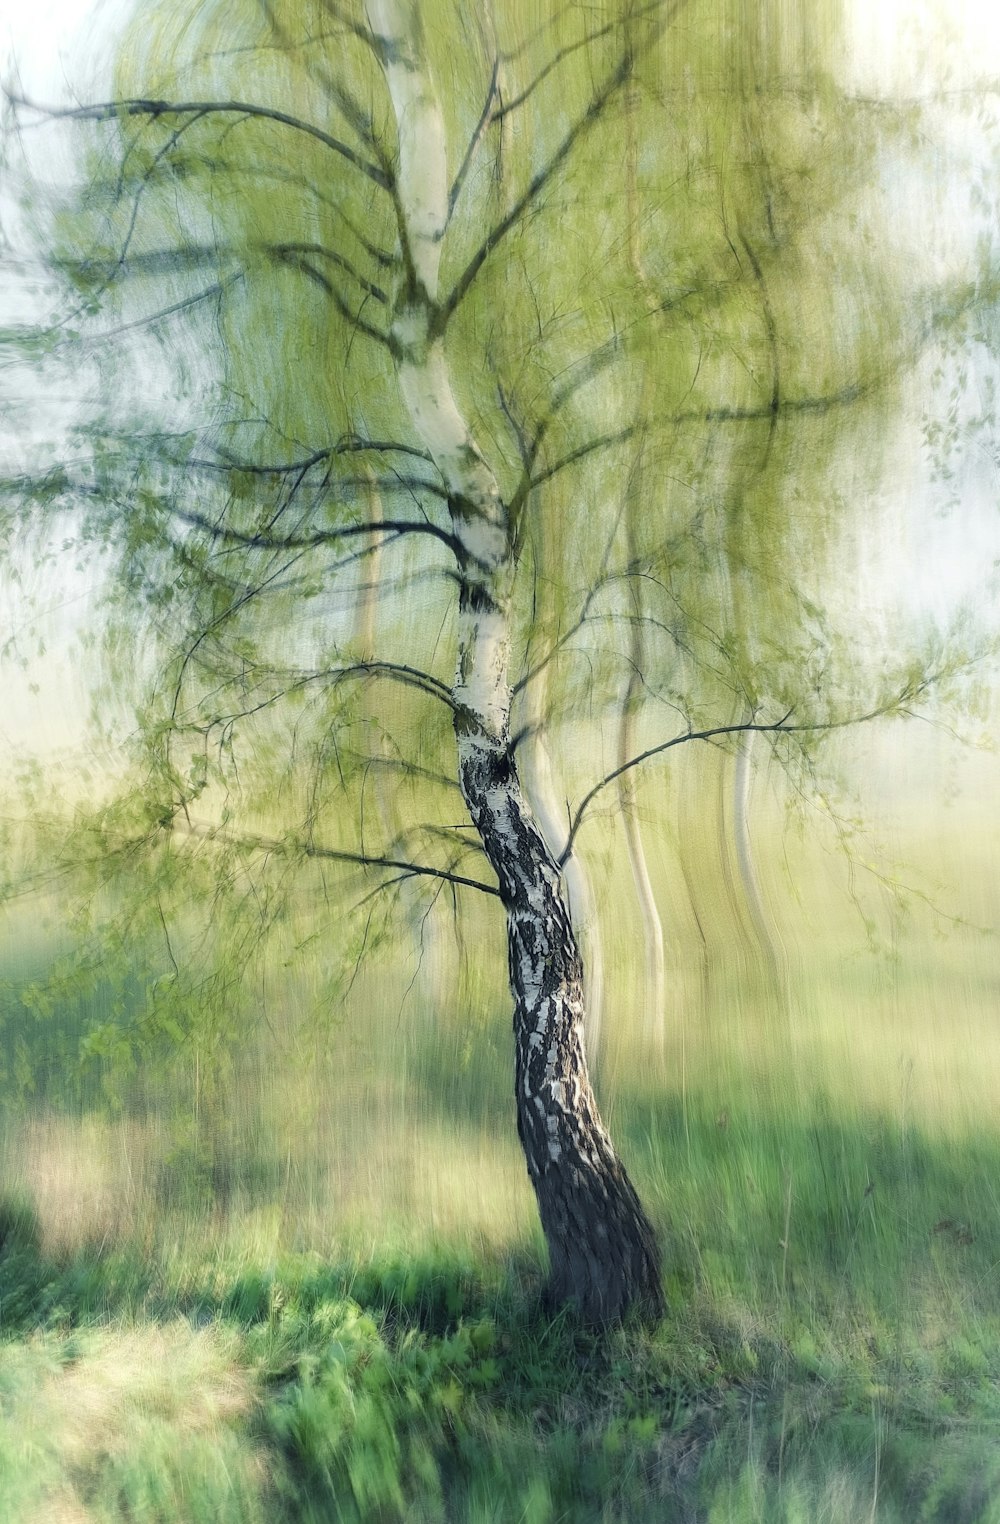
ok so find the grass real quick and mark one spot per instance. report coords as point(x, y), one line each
point(167, 1385)
point(304, 1285)
point(170, 1351)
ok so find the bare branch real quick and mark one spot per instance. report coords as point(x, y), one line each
point(207, 832)
point(107, 111)
point(349, 108)
point(777, 727)
point(504, 109)
point(283, 250)
point(350, 445)
point(292, 256)
point(474, 141)
point(217, 288)
point(601, 443)
point(822, 403)
point(410, 677)
point(597, 106)
point(320, 537)
point(563, 53)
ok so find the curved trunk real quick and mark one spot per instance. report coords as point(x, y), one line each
point(602, 1249)
point(603, 1252)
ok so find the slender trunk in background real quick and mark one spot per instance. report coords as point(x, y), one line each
point(768, 958)
point(602, 1249)
point(654, 986)
point(424, 926)
point(550, 812)
point(654, 994)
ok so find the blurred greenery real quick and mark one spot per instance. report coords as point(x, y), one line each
point(308, 1283)
point(267, 1249)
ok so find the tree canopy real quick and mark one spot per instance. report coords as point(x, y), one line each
point(431, 360)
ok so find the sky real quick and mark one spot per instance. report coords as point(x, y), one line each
point(63, 49)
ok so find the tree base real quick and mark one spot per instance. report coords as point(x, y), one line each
point(603, 1254)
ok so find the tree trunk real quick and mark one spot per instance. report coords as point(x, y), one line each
point(602, 1249)
point(539, 787)
point(603, 1252)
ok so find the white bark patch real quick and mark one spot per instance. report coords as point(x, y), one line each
point(531, 984)
point(426, 388)
point(483, 540)
point(481, 681)
point(423, 155)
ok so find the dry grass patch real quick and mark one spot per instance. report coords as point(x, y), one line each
point(86, 1178)
point(114, 1423)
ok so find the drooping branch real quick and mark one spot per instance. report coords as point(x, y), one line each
point(352, 112)
point(822, 402)
point(287, 251)
point(293, 257)
point(153, 110)
point(258, 540)
point(104, 335)
point(893, 706)
point(409, 677)
point(205, 831)
point(350, 444)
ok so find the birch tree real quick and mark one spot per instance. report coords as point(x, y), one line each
point(296, 297)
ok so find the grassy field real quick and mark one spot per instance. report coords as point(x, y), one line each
point(303, 1285)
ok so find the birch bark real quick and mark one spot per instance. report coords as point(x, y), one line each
point(602, 1249)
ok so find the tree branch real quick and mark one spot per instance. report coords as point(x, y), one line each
point(218, 288)
point(557, 58)
point(106, 111)
point(261, 541)
point(293, 256)
point(206, 832)
point(599, 103)
point(410, 677)
point(776, 727)
point(350, 445)
point(474, 141)
point(602, 443)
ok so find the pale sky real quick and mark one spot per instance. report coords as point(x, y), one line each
point(901, 45)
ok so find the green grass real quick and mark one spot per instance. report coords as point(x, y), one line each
point(832, 1349)
point(429, 1387)
point(302, 1283)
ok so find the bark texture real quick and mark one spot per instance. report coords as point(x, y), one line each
point(602, 1249)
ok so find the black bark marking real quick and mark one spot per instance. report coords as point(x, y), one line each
point(603, 1253)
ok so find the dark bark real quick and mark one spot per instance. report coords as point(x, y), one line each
point(603, 1252)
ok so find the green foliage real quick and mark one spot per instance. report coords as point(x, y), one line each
point(374, 1403)
point(678, 418)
